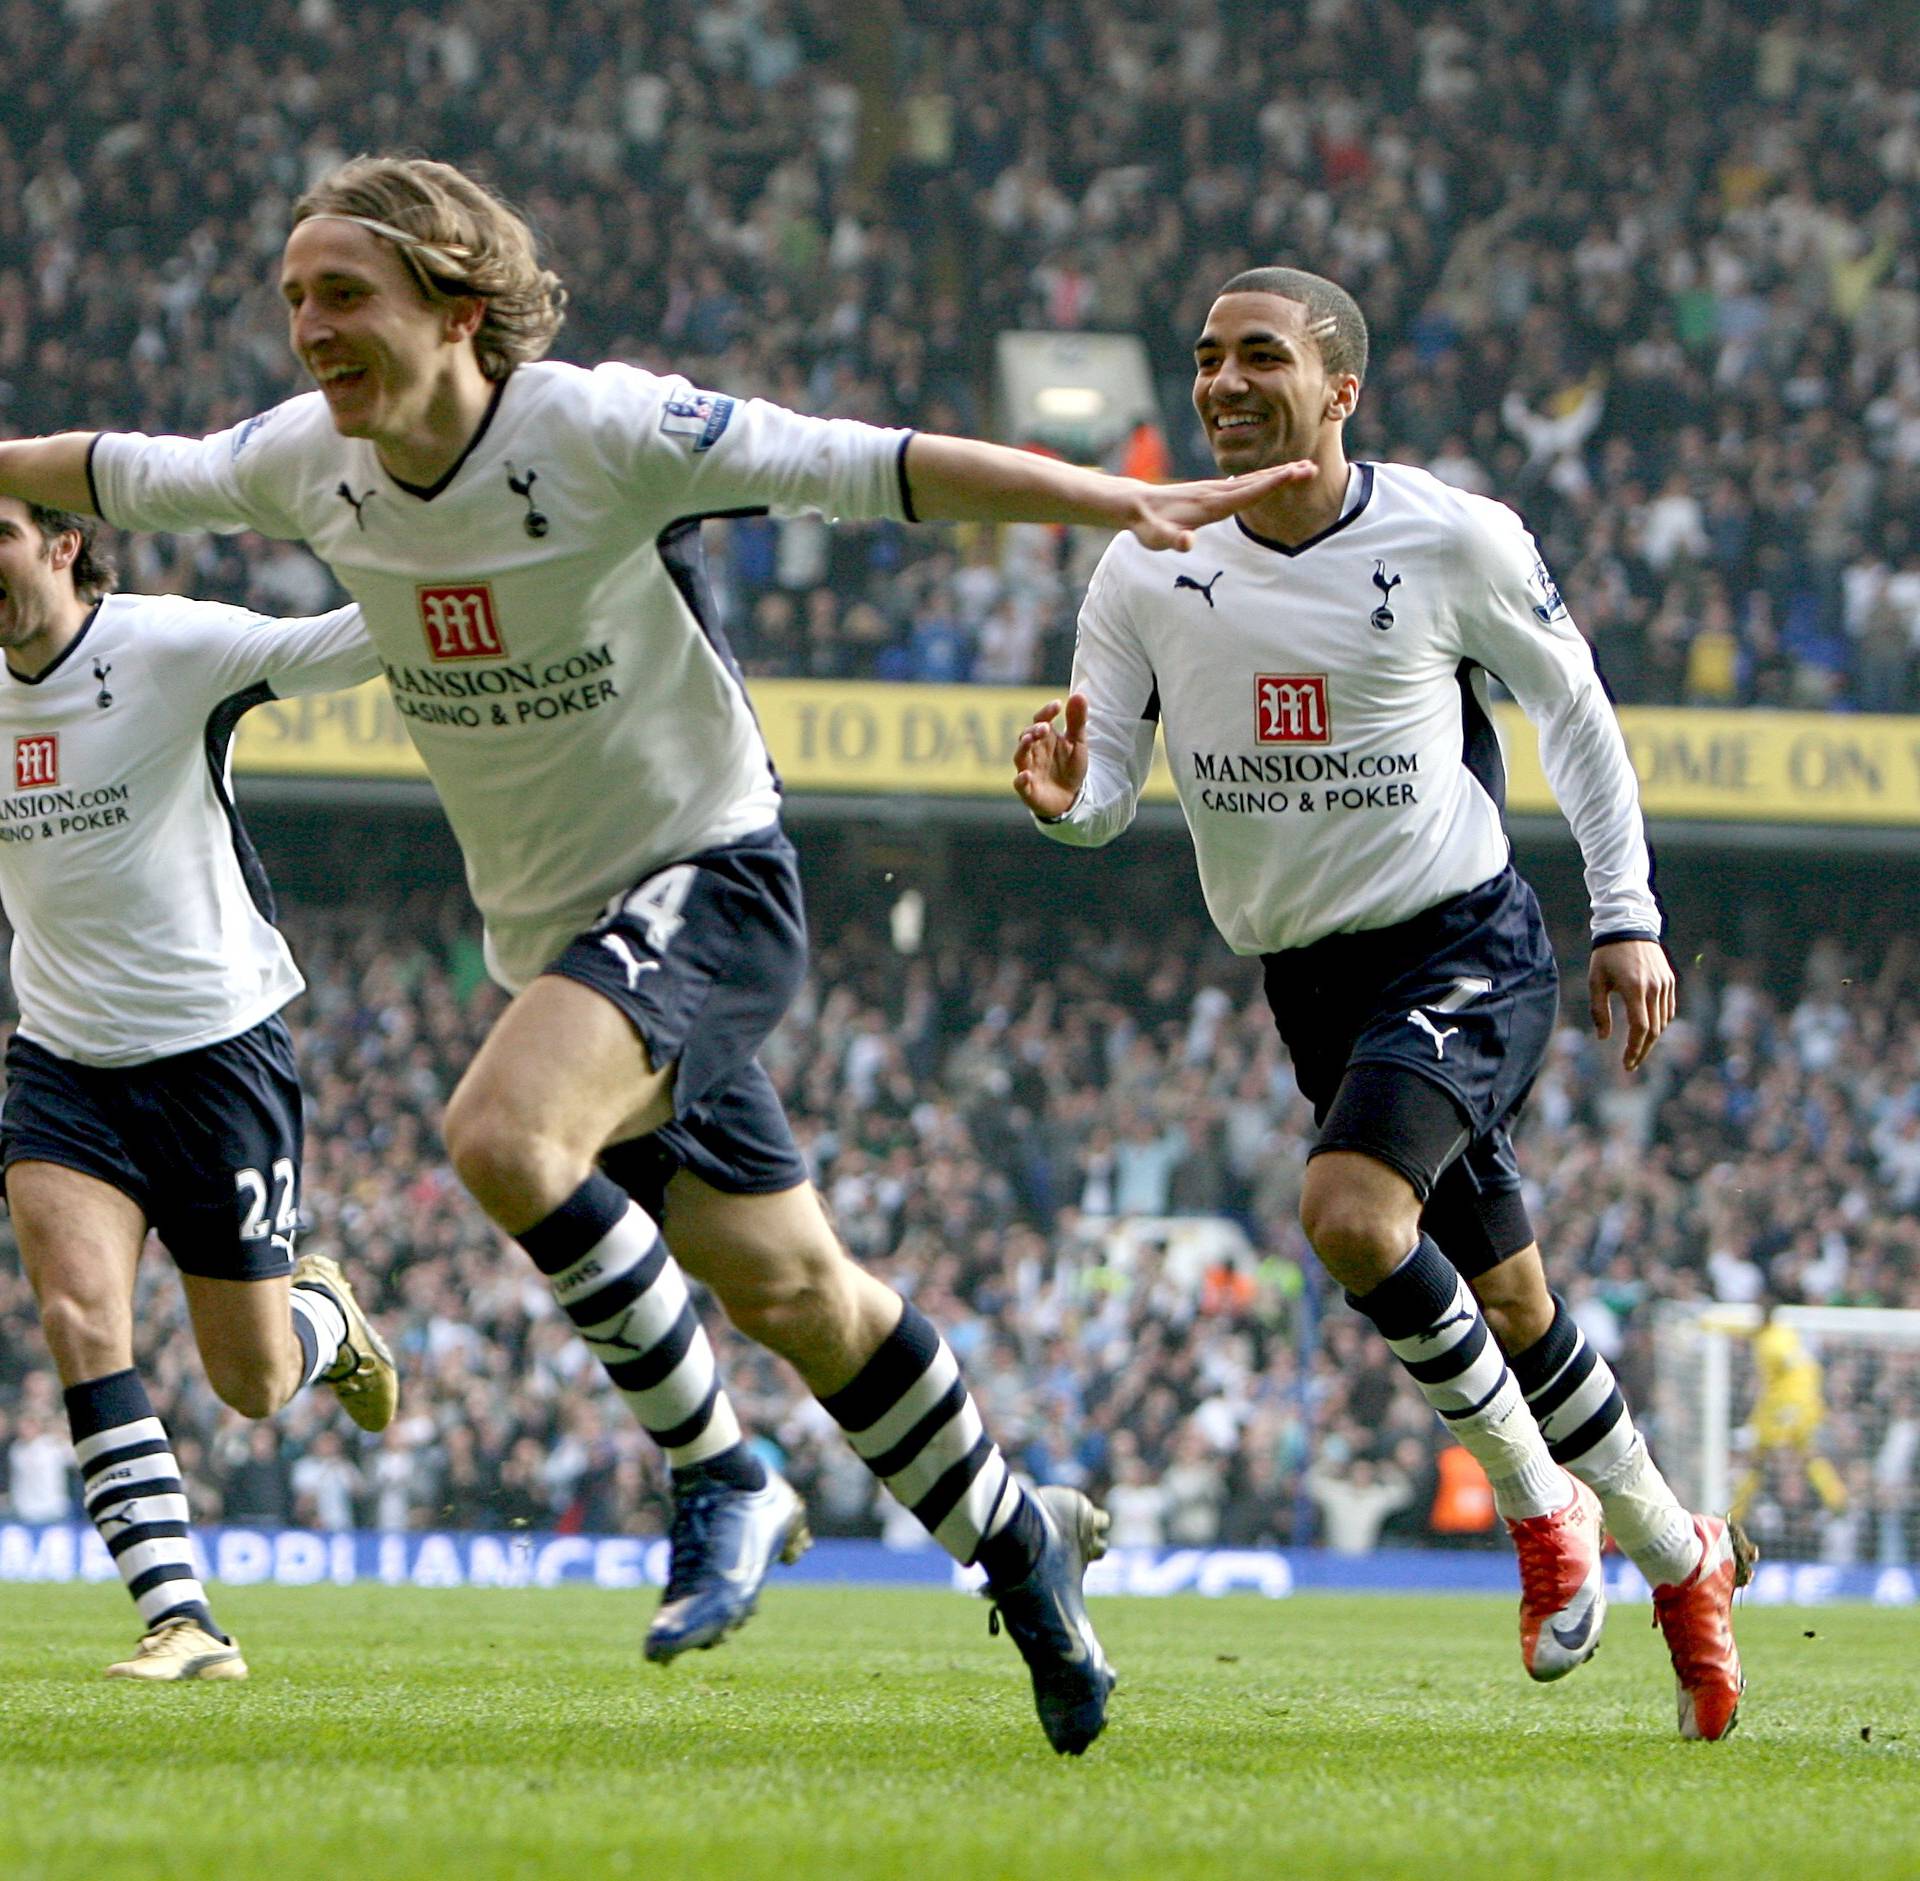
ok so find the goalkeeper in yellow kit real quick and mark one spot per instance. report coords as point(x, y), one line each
point(1787, 1413)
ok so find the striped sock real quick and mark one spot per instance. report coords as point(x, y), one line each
point(615, 1280)
point(319, 1325)
point(912, 1421)
point(1436, 1330)
point(135, 1498)
point(1571, 1391)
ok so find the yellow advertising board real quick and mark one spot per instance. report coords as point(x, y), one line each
point(955, 741)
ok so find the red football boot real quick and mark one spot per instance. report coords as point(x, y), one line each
point(1697, 1619)
point(1563, 1597)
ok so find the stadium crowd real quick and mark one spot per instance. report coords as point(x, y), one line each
point(1649, 273)
point(999, 1124)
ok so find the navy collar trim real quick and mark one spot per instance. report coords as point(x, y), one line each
point(1332, 529)
point(62, 657)
point(427, 492)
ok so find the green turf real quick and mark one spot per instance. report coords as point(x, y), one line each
point(390, 1734)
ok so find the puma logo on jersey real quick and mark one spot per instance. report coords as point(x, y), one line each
point(1203, 589)
point(1382, 616)
point(634, 965)
point(534, 523)
point(358, 504)
point(1439, 1037)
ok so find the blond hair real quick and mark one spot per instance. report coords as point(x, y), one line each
point(457, 239)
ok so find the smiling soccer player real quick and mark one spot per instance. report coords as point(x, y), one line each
point(1326, 720)
point(524, 539)
point(150, 1082)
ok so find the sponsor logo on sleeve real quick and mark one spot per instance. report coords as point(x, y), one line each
point(244, 436)
point(460, 623)
point(1547, 604)
point(699, 417)
point(36, 761)
point(1291, 709)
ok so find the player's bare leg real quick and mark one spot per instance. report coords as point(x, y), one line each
point(264, 1340)
point(1362, 1218)
point(244, 1329)
point(777, 1267)
point(80, 1242)
point(562, 1075)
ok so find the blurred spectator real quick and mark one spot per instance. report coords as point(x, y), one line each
point(1690, 350)
point(39, 1466)
point(258, 1486)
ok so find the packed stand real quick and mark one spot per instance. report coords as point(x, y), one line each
point(999, 1126)
point(1651, 274)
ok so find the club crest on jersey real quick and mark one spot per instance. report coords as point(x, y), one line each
point(36, 761)
point(1382, 616)
point(460, 623)
point(700, 416)
point(1291, 709)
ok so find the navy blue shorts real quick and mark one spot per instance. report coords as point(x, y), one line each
point(1417, 1045)
point(206, 1143)
point(704, 958)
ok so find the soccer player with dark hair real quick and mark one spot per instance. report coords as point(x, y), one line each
point(151, 1082)
point(524, 539)
point(1319, 665)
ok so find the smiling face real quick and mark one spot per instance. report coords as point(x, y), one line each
point(1261, 386)
point(377, 347)
point(36, 580)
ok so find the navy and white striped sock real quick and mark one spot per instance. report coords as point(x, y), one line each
point(1571, 1391)
point(616, 1281)
point(912, 1421)
point(1437, 1331)
point(319, 1325)
point(135, 1498)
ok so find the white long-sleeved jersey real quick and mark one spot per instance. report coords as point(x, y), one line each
point(143, 924)
point(1325, 713)
point(542, 612)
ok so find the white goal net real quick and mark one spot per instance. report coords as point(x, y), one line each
point(1809, 1427)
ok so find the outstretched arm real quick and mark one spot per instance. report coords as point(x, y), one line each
point(964, 480)
point(49, 471)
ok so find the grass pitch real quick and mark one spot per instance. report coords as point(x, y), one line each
point(394, 1734)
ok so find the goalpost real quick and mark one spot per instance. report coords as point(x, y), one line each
point(1706, 1389)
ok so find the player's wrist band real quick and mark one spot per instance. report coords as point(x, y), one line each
point(1624, 934)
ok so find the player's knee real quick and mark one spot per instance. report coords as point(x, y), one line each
point(789, 1297)
point(79, 1334)
point(251, 1389)
point(1359, 1238)
point(511, 1171)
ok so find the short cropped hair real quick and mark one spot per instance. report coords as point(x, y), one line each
point(1334, 318)
point(458, 238)
point(93, 574)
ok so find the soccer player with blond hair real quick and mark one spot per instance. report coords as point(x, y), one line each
point(523, 537)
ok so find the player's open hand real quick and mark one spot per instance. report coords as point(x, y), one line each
point(1167, 514)
point(1049, 763)
point(1639, 974)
